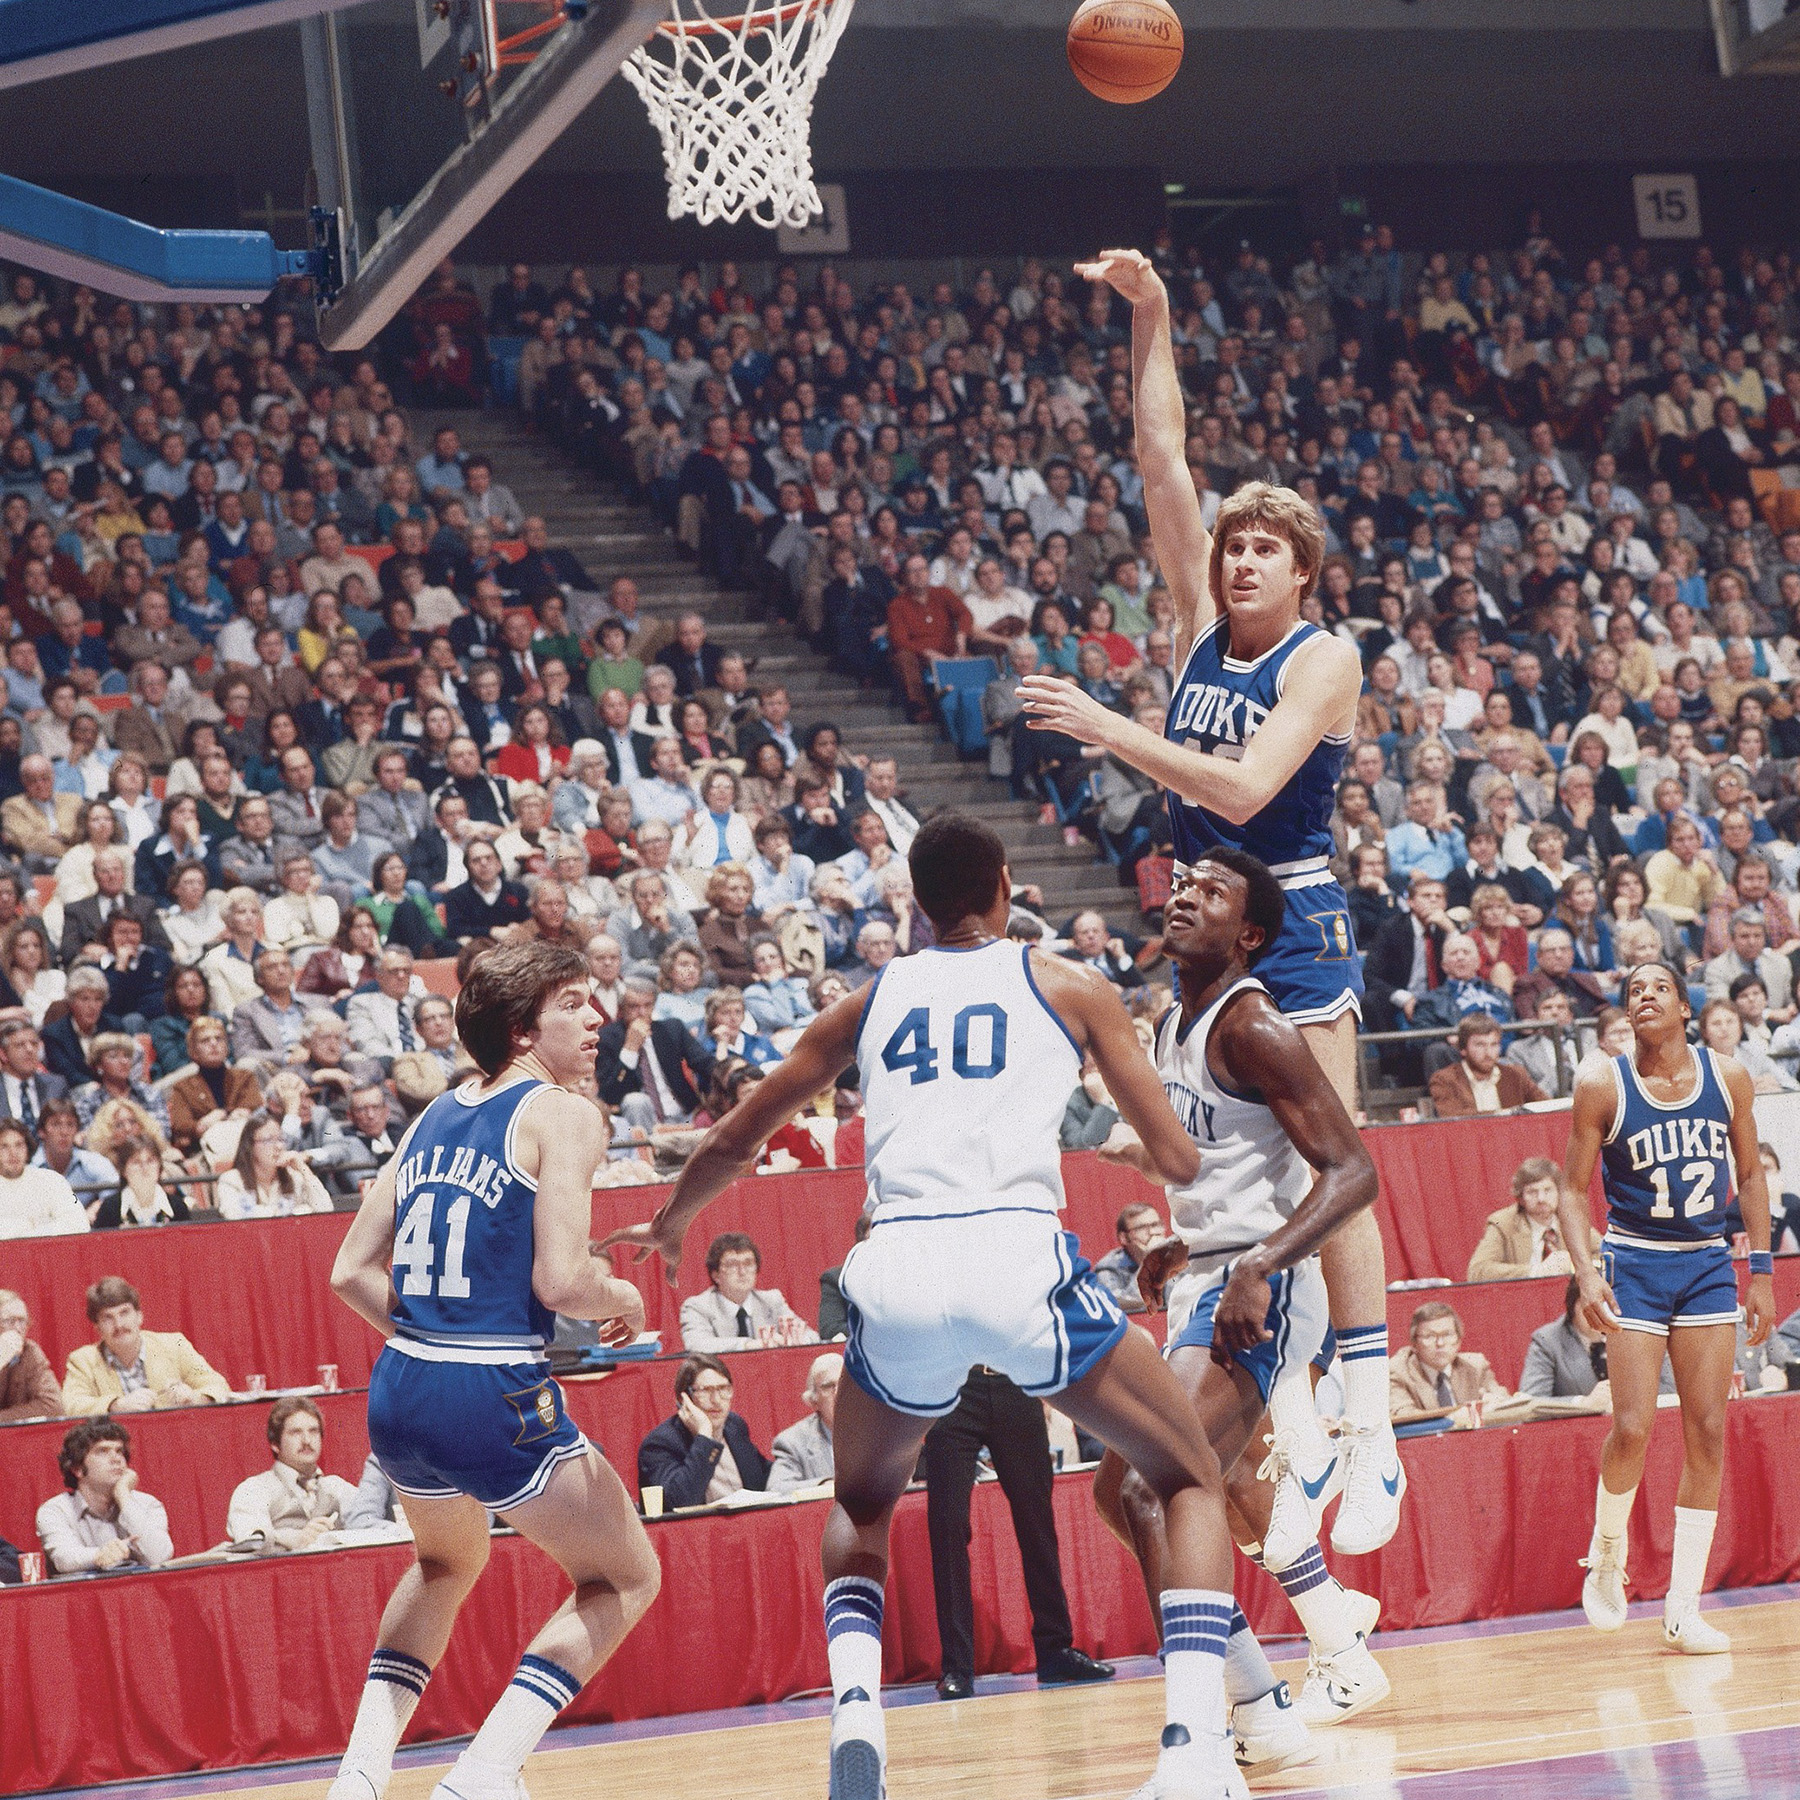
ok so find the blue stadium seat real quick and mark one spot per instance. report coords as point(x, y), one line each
point(960, 683)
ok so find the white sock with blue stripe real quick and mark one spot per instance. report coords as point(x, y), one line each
point(853, 1605)
point(521, 1716)
point(1247, 1673)
point(390, 1696)
point(1315, 1595)
point(1196, 1627)
point(1363, 1350)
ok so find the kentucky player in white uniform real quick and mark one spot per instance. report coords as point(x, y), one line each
point(466, 1246)
point(1245, 1296)
point(968, 1053)
point(1666, 1124)
point(1257, 729)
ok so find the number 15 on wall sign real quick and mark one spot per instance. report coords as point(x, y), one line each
point(1668, 206)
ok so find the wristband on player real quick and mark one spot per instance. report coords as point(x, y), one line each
point(1762, 1262)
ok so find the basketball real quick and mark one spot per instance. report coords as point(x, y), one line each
point(1125, 50)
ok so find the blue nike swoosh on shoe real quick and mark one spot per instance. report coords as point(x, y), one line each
point(1313, 1489)
point(1393, 1485)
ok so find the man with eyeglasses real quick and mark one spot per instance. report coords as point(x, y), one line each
point(1137, 1228)
point(734, 1313)
point(705, 1451)
point(1435, 1378)
point(803, 1452)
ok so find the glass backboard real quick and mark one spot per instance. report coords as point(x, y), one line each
point(422, 113)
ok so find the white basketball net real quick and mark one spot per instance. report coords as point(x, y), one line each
point(731, 97)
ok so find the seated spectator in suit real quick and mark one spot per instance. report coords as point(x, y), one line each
point(84, 921)
point(140, 1198)
point(381, 1021)
point(38, 825)
point(267, 1179)
point(1462, 990)
point(1523, 1240)
point(66, 1040)
point(1137, 1227)
point(129, 1369)
point(734, 1313)
point(1556, 968)
point(1478, 1081)
point(33, 1202)
point(28, 1385)
point(293, 1504)
point(24, 1090)
point(1434, 1377)
point(704, 1452)
point(803, 1451)
point(1567, 1358)
point(103, 1521)
point(486, 905)
point(650, 1071)
point(1093, 942)
point(265, 1032)
point(1538, 1054)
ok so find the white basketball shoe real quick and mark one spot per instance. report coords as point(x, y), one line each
point(1374, 1483)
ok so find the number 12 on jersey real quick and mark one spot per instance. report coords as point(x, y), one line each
point(911, 1049)
point(1699, 1198)
point(414, 1250)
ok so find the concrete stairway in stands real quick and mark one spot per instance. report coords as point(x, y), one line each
point(613, 537)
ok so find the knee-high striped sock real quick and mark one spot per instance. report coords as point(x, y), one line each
point(1196, 1627)
point(390, 1696)
point(1247, 1672)
point(853, 1635)
point(1364, 1350)
point(522, 1715)
point(1315, 1595)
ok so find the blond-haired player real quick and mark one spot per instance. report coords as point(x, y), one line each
point(1256, 734)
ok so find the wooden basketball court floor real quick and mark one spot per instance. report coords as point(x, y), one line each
point(1514, 1709)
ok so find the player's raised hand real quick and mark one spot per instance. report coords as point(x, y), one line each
point(1130, 273)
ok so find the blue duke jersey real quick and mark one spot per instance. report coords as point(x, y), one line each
point(463, 1232)
point(1218, 708)
point(1666, 1166)
point(461, 1400)
point(965, 1075)
point(1312, 969)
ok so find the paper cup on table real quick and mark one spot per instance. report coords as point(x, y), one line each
point(256, 1384)
point(328, 1377)
point(652, 1498)
point(31, 1566)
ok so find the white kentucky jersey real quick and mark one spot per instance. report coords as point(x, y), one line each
point(1251, 1177)
point(965, 1075)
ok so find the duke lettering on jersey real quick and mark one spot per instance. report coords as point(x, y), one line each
point(1219, 706)
point(1666, 1167)
point(1678, 1140)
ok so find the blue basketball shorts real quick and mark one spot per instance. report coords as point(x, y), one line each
point(1657, 1288)
point(1298, 1320)
point(1312, 970)
point(929, 1297)
point(496, 1432)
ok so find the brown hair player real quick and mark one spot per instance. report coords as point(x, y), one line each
point(1255, 740)
point(1666, 1123)
point(468, 1243)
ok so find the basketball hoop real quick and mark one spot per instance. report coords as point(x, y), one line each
point(732, 99)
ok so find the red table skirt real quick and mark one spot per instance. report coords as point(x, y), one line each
point(130, 1676)
point(255, 1296)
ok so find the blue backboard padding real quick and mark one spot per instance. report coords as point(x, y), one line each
point(31, 28)
point(177, 259)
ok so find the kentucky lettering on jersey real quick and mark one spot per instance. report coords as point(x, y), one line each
point(1195, 1114)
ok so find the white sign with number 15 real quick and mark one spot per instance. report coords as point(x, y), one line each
point(1668, 206)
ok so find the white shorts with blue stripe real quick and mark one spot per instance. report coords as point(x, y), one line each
point(1298, 1320)
point(931, 1296)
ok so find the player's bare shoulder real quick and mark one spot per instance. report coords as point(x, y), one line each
point(554, 1115)
point(1071, 989)
point(1329, 667)
point(1252, 1041)
point(1596, 1094)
